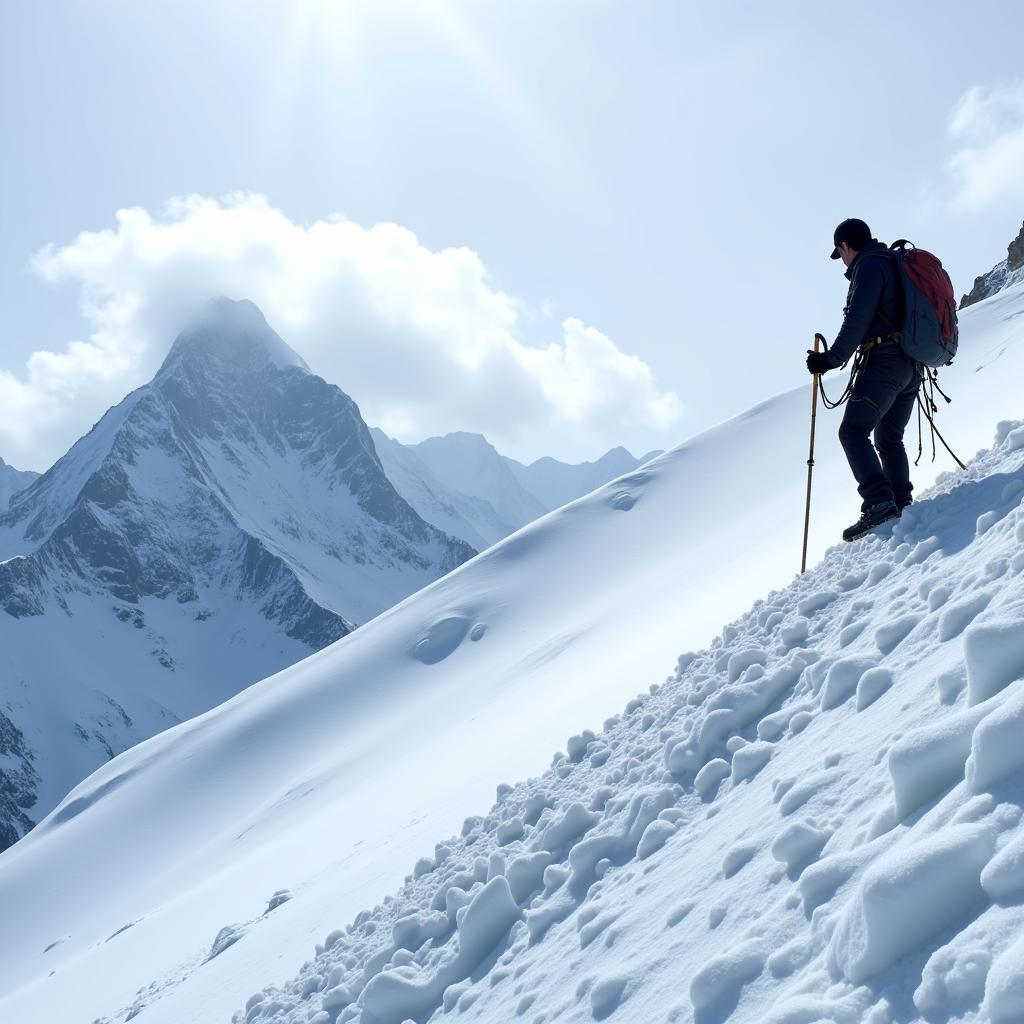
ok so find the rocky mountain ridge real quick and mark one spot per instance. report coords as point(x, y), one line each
point(1005, 273)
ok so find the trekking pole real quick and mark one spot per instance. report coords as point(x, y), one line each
point(818, 340)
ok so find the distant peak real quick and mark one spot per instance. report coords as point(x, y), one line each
point(234, 335)
point(463, 437)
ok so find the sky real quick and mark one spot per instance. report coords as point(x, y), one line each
point(567, 225)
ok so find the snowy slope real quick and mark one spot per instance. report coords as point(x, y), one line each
point(333, 777)
point(11, 481)
point(220, 523)
point(818, 818)
point(555, 483)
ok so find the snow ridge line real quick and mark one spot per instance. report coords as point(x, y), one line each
point(932, 605)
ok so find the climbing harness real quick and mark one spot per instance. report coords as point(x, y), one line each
point(926, 404)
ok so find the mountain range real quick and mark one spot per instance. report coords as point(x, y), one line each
point(463, 485)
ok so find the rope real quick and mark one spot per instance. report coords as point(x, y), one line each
point(926, 403)
point(858, 364)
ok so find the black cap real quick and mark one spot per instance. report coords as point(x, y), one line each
point(854, 232)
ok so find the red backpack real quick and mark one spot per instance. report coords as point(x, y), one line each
point(930, 333)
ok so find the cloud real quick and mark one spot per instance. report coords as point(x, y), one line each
point(424, 341)
point(987, 166)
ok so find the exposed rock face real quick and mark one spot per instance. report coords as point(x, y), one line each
point(222, 522)
point(1005, 273)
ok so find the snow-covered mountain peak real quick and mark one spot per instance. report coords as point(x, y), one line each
point(231, 336)
point(223, 521)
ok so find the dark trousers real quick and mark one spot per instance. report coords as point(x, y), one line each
point(882, 403)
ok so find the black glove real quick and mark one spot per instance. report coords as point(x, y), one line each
point(818, 362)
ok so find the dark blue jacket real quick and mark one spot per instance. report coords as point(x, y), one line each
point(874, 303)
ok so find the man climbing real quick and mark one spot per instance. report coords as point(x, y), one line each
point(886, 381)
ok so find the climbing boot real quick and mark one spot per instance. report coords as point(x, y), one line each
point(872, 517)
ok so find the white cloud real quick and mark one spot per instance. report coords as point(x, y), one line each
point(987, 166)
point(423, 340)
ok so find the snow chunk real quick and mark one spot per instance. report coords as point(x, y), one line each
point(794, 634)
point(907, 896)
point(1004, 990)
point(931, 759)
point(1003, 878)
point(842, 680)
point(709, 777)
point(655, 836)
point(526, 874)
point(749, 760)
point(798, 844)
point(722, 978)
point(742, 660)
point(892, 634)
point(562, 831)
point(608, 994)
point(872, 685)
point(227, 936)
point(395, 995)
point(738, 857)
point(814, 603)
point(953, 977)
point(995, 658)
point(955, 619)
point(997, 749)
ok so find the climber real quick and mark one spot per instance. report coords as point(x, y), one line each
point(884, 390)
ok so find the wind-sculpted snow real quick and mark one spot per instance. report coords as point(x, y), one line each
point(794, 828)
